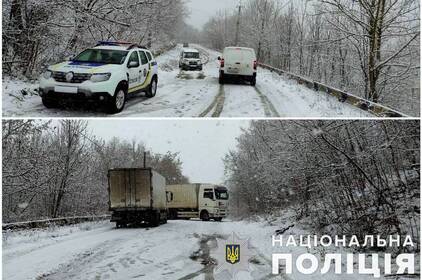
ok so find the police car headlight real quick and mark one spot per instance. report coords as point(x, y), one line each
point(100, 77)
point(47, 74)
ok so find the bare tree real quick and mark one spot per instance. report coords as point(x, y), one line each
point(340, 177)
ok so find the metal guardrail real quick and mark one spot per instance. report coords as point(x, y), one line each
point(344, 97)
point(56, 221)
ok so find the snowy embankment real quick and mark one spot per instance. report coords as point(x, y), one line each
point(195, 94)
point(100, 251)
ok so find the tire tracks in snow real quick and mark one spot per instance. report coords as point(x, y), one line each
point(218, 104)
point(219, 99)
point(269, 108)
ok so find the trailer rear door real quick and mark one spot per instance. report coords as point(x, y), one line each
point(130, 188)
point(142, 184)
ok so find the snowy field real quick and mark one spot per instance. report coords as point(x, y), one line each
point(100, 251)
point(195, 94)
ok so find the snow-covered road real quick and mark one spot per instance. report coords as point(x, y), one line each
point(176, 250)
point(100, 251)
point(194, 94)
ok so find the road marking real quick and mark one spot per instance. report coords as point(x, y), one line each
point(218, 103)
point(270, 110)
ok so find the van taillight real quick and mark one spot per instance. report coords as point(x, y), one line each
point(222, 62)
point(255, 65)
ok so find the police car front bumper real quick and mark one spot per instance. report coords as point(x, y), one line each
point(86, 91)
point(82, 95)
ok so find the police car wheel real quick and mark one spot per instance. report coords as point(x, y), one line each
point(118, 101)
point(152, 89)
point(49, 103)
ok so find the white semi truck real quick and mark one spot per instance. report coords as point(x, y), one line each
point(202, 201)
point(137, 195)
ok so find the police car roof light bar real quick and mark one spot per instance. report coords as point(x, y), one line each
point(120, 43)
point(111, 43)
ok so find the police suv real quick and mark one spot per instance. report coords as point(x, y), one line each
point(107, 73)
point(190, 59)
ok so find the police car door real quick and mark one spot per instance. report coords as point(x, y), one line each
point(134, 71)
point(144, 68)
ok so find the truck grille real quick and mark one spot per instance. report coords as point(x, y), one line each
point(77, 77)
point(192, 63)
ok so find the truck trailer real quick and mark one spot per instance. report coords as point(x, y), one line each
point(137, 196)
point(202, 201)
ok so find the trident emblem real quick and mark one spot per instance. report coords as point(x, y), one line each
point(232, 253)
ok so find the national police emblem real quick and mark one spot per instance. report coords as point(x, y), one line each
point(233, 253)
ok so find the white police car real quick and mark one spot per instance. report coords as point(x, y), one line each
point(108, 73)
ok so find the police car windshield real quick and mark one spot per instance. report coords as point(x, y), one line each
point(191, 55)
point(221, 194)
point(102, 56)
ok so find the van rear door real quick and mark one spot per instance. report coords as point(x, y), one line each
point(233, 58)
point(239, 61)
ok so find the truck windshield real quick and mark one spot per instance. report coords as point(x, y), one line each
point(101, 56)
point(221, 194)
point(191, 55)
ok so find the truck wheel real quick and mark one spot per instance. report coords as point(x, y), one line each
point(205, 216)
point(49, 103)
point(221, 79)
point(155, 220)
point(218, 219)
point(172, 215)
point(117, 103)
point(164, 216)
point(121, 225)
point(152, 88)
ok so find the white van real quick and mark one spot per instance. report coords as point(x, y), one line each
point(238, 62)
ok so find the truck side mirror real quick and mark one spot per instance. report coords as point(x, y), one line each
point(169, 196)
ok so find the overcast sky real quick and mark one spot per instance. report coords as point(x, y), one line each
point(201, 144)
point(202, 10)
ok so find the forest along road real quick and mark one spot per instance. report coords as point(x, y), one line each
point(176, 250)
point(195, 94)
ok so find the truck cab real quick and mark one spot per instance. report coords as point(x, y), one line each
point(204, 201)
point(213, 202)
